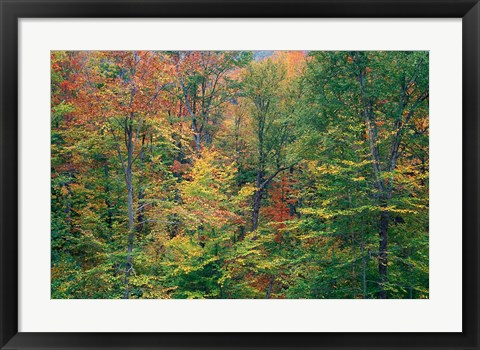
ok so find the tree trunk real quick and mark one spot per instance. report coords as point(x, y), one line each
point(108, 203)
point(141, 212)
point(131, 213)
point(382, 254)
point(141, 192)
point(372, 133)
point(257, 198)
point(364, 261)
point(256, 208)
point(270, 287)
point(197, 138)
point(131, 232)
point(68, 202)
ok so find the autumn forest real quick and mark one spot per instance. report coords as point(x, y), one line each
point(239, 174)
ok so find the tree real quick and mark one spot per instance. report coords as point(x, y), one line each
point(124, 88)
point(386, 92)
point(205, 87)
point(263, 87)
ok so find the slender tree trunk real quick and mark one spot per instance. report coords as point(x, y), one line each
point(364, 261)
point(174, 219)
point(141, 192)
point(131, 213)
point(384, 194)
point(382, 253)
point(256, 209)
point(257, 199)
point(68, 202)
point(108, 203)
point(141, 212)
point(237, 139)
point(270, 287)
point(198, 144)
point(351, 227)
point(354, 262)
point(131, 232)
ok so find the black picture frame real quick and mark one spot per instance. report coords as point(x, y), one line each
point(11, 11)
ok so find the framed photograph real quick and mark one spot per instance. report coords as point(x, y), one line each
point(221, 174)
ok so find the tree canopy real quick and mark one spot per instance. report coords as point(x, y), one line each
point(238, 174)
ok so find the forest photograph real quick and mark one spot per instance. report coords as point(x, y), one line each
point(239, 174)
